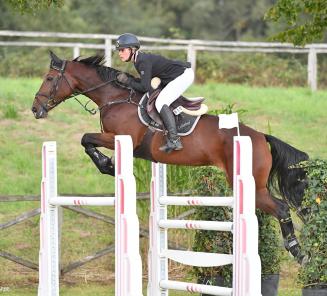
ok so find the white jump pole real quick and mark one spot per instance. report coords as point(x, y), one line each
point(247, 264)
point(128, 271)
point(128, 281)
point(245, 258)
point(158, 241)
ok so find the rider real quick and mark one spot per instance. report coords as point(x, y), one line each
point(176, 77)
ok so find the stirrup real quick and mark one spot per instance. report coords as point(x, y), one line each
point(172, 145)
point(178, 144)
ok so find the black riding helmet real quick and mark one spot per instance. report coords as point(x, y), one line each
point(127, 40)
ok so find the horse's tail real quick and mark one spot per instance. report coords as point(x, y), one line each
point(291, 181)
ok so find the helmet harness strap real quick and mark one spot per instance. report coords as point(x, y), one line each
point(131, 55)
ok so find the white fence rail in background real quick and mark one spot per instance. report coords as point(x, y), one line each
point(149, 43)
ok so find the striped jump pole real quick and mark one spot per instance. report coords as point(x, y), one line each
point(245, 258)
point(128, 266)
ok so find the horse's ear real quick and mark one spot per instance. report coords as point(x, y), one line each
point(56, 63)
point(54, 57)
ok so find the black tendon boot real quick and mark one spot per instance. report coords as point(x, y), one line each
point(102, 162)
point(173, 140)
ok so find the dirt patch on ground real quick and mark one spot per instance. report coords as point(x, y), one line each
point(288, 274)
point(22, 246)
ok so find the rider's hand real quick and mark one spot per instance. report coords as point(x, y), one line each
point(123, 78)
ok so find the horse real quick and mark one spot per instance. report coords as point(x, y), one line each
point(273, 159)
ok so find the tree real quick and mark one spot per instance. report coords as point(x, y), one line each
point(304, 21)
point(30, 6)
point(53, 19)
point(219, 19)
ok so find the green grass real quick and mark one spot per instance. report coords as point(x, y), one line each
point(10, 112)
point(294, 115)
point(88, 287)
point(21, 140)
point(82, 290)
point(96, 289)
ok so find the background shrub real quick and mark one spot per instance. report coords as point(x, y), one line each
point(314, 231)
point(257, 69)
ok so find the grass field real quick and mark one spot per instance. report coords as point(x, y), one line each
point(295, 115)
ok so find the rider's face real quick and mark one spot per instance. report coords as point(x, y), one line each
point(124, 54)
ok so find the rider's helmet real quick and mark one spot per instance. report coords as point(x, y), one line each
point(127, 40)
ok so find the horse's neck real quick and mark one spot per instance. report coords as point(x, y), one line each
point(87, 78)
point(106, 92)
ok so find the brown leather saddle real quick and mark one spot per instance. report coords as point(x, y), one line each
point(192, 106)
point(187, 113)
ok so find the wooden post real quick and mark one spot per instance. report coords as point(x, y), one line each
point(191, 56)
point(107, 52)
point(77, 52)
point(312, 69)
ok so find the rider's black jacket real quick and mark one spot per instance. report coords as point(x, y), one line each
point(151, 65)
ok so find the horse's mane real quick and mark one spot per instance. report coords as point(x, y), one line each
point(97, 62)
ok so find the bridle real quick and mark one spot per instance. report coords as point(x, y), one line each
point(53, 102)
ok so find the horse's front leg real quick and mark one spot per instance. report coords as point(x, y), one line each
point(91, 141)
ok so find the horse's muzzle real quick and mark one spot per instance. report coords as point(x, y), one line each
point(41, 113)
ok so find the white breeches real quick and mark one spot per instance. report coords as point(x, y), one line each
point(175, 88)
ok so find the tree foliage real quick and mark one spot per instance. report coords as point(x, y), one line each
point(297, 21)
point(304, 21)
point(206, 19)
point(30, 6)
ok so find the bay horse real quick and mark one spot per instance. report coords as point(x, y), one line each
point(206, 145)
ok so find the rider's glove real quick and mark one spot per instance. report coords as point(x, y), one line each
point(123, 78)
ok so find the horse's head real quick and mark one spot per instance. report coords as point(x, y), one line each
point(56, 87)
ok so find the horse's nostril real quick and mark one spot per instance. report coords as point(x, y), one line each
point(34, 109)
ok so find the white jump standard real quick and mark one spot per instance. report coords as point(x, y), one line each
point(128, 274)
point(128, 281)
point(245, 258)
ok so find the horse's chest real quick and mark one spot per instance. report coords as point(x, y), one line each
point(111, 121)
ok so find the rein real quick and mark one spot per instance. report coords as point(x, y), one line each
point(108, 104)
point(77, 93)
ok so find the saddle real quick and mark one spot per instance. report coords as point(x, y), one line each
point(187, 111)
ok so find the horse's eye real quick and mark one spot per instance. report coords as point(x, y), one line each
point(49, 78)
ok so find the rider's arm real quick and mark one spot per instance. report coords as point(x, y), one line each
point(144, 84)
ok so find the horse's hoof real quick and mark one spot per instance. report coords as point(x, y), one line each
point(108, 170)
point(303, 260)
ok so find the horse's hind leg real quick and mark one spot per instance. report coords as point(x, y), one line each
point(290, 241)
point(91, 141)
point(279, 209)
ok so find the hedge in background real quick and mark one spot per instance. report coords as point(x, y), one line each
point(257, 69)
point(269, 248)
point(314, 231)
point(252, 68)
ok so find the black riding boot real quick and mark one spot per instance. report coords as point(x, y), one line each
point(173, 140)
